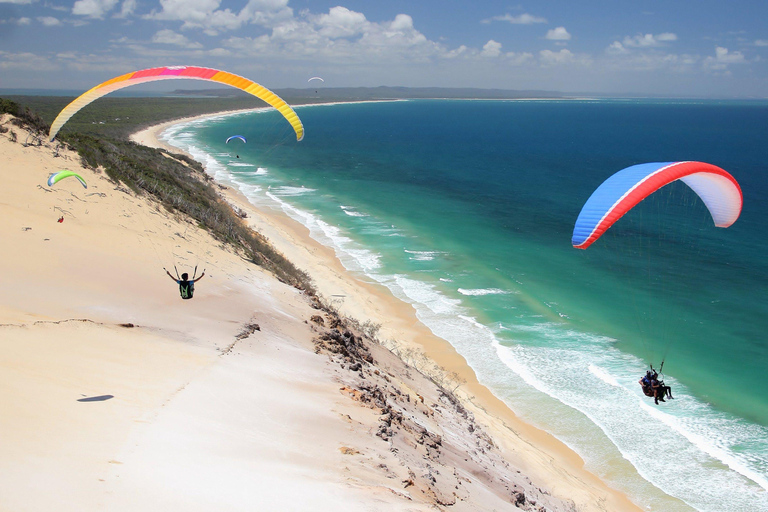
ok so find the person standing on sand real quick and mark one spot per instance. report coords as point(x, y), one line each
point(186, 286)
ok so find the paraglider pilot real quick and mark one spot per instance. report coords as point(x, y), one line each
point(652, 386)
point(186, 285)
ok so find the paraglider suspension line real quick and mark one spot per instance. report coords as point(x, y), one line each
point(660, 372)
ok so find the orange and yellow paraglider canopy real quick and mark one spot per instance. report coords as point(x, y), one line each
point(177, 72)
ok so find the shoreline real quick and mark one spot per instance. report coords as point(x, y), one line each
point(544, 457)
point(148, 136)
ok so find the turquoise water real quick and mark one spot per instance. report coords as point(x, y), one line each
point(465, 209)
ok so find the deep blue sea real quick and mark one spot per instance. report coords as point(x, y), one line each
point(465, 209)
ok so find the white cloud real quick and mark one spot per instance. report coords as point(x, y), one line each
point(222, 20)
point(761, 42)
point(49, 21)
point(18, 2)
point(723, 58)
point(339, 36)
point(523, 19)
point(491, 49)
point(648, 61)
point(25, 61)
point(452, 54)
point(519, 59)
point(402, 22)
point(345, 36)
point(649, 40)
point(170, 37)
point(549, 58)
point(641, 53)
point(558, 34)
point(267, 13)
point(396, 40)
point(723, 55)
point(616, 48)
point(341, 22)
point(15, 21)
point(205, 14)
point(127, 9)
point(93, 8)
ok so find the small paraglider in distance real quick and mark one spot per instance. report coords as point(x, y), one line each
point(239, 137)
point(58, 176)
point(315, 78)
point(61, 219)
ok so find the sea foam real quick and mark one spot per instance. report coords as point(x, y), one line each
point(483, 291)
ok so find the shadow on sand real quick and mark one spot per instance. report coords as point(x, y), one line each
point(99, 398)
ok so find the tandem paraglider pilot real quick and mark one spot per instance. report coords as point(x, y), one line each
point(654, 387)
point(186, 285)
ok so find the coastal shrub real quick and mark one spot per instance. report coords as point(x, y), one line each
point(181, 185)
point(371, 329)
point(23, 117)
point(9, 107)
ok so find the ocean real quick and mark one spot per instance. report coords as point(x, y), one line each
point(465, 209)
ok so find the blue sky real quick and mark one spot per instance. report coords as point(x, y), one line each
point(684, 47)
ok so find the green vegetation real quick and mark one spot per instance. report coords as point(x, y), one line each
point(120, 117)
point(24, 116)
point(177, 182)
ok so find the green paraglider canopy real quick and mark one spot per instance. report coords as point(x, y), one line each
point(58, 176)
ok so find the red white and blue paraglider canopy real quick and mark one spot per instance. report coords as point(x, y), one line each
point(621, 192)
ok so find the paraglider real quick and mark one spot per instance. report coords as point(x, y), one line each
point(621, 192)
point(177, 72)
point(58, 176)
point(237, 137)
point(315, 78)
